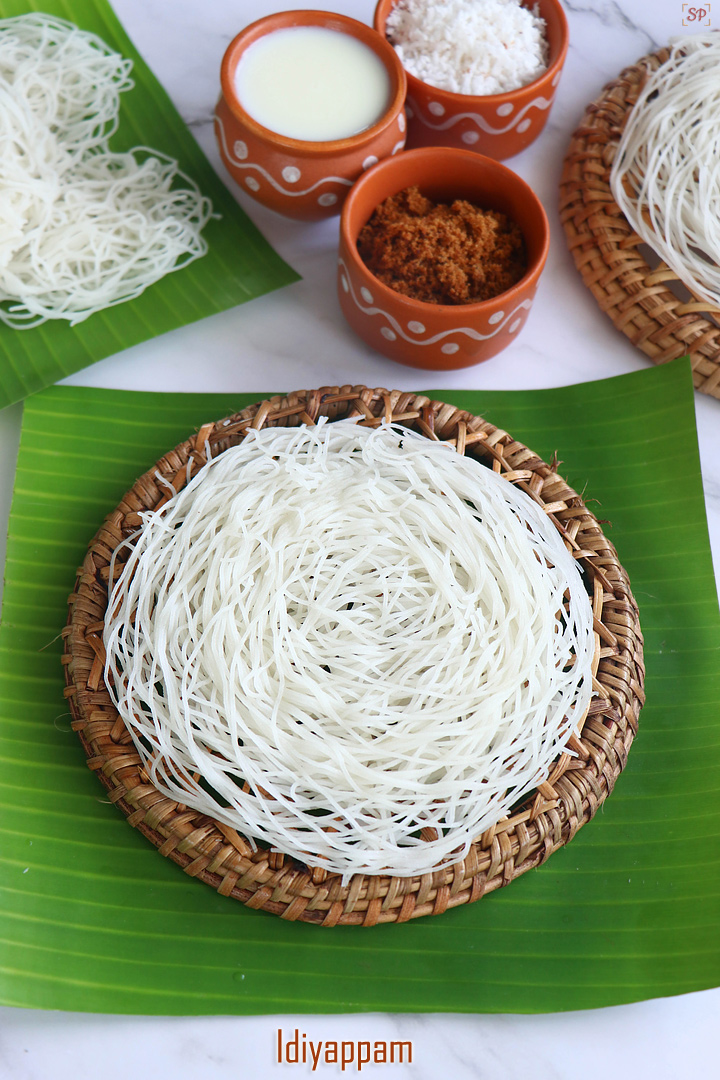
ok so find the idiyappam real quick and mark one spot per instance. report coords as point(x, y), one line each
point(666, 173)
point(356, 646)
point(81, 228)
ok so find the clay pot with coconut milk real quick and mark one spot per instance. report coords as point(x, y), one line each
point(293, 171)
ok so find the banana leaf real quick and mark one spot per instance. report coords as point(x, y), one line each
point(93, 918)
point(239, 265)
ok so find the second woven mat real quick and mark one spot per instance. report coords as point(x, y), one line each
point(613, 259)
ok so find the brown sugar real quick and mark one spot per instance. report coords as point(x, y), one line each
point(456, 254)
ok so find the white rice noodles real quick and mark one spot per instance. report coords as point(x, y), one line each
point(666, 173)
point(81, 228)
point(469, 46)
point(353, 645)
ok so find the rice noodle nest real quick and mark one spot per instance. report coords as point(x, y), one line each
point(82, 228)
point(666, 172)
point(353, 645)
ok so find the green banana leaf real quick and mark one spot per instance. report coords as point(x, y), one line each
point(93, 918)
point(239, 265)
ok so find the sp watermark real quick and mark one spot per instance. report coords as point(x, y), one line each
point(696, 16)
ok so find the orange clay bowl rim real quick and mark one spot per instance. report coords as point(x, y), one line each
point(507, 95)
point(279, 21)
point(477, 306)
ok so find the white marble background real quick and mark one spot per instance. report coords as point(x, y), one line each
point(297, 337)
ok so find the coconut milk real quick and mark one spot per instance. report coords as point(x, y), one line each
point(312, 83)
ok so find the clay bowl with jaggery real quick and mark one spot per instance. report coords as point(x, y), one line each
point(432, 333)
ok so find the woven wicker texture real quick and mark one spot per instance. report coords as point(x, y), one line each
point(547, 819)
point(647, 303)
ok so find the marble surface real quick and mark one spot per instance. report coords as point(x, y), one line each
point(297, 337)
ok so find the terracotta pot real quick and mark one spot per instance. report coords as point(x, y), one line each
point(497, 125)
point(306, 180)
point(439, 337)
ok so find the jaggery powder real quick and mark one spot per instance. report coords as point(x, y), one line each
point(456, 254)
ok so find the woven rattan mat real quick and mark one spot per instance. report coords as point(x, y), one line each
point(641, 295)
point(547, 820)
